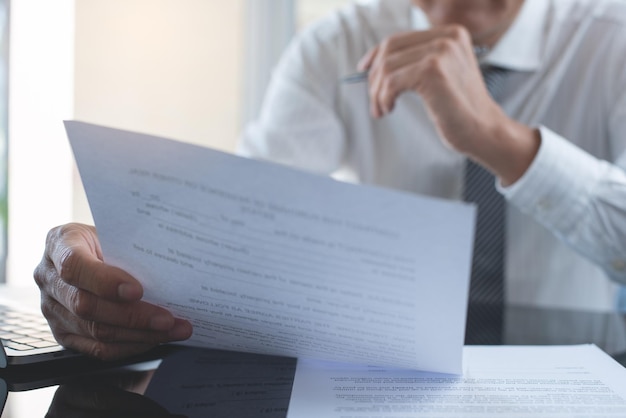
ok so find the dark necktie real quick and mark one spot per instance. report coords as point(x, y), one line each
point(487, 278)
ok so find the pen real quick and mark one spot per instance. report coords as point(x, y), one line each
point(355, 77)
point(361, 76)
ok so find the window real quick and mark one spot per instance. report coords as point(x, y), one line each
point(4, 99)
point(40, 98)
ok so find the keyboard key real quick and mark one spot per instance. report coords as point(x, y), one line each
point(24, 331)
point(25, 340)
point(44, 344)
point(17, 346)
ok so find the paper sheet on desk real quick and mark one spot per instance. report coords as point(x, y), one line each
point(497, 381)
point(263, 258)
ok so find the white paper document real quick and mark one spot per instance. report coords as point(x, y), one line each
point(497, 381)
point(267, 259)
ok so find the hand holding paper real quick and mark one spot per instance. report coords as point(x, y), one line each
point(96, 308)
point(263, 258)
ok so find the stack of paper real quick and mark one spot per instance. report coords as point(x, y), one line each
point(497, 381)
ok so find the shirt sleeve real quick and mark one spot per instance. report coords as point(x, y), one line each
point(298, 124)
point(579, 198)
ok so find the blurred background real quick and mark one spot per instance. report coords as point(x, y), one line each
point(192, 70)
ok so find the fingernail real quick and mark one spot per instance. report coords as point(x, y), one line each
point(181, 332)
point(162, 322)
point(128, 291)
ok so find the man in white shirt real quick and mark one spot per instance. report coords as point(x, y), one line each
point(566, 231)
point(555, 141)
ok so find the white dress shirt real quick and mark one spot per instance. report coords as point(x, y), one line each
point(566, 219)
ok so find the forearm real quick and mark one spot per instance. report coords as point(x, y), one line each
point(578, 197)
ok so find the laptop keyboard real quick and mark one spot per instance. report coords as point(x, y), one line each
point(23, 331)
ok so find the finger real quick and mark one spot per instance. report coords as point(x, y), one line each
point(88, 306)
point(69, 235)
point(85, 308)
point(410, 39)
point(78, 303)
point(408, 56)
point(385, 81)
point(366, 61)
point(107, 351)
point(398, 42)
point(384, 64)
point(74, 250)
point(396, 70)
point(85, 272)
point(137, 315)
point(109, 343)
point(413, 75)
point(394, 84)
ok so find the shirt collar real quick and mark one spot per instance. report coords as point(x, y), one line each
point(520, 48)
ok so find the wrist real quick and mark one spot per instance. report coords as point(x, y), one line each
point(507, 150)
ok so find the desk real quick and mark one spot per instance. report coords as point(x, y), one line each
point(512, 325)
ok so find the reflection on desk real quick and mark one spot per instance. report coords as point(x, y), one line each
point(519, 325)
point(536, 326)
point(211, 383)
point(93, 400)
point(248, 385)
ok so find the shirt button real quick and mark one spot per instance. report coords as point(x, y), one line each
point(619, 265)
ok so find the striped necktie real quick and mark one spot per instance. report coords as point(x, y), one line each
point(487, 278)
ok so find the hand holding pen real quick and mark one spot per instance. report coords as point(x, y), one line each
point(438, 64)
point(441, 66)
point(362, 76)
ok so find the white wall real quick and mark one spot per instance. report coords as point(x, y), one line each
point(166, 67)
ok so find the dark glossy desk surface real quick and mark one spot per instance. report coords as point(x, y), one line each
point(60, 394)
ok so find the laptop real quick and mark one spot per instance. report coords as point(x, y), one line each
point(25, 334)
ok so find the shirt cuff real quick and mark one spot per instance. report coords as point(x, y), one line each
point(556, 188)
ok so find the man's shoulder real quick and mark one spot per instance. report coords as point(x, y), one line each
point(604, 12)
